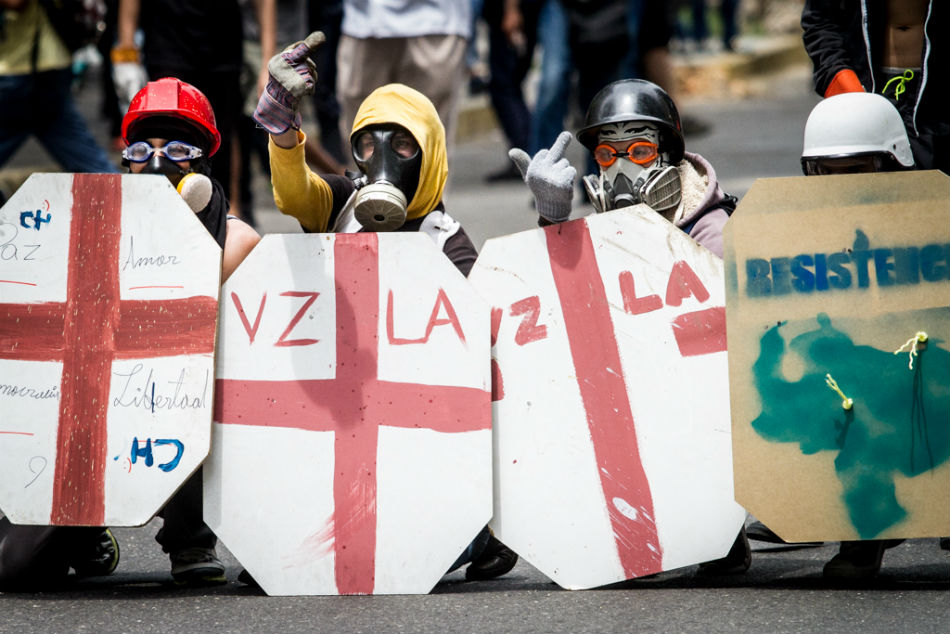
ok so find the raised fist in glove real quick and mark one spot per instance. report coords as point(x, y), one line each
point(292, 75)
point(550, 178)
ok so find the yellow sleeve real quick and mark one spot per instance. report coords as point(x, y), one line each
point(298, 192)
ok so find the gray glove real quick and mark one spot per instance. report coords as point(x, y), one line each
point(292, 76)
point(550, 178)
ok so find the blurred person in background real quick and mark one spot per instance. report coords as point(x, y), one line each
point(419, 44)
point(200, 43)
point(35, 98)
point(891, 47)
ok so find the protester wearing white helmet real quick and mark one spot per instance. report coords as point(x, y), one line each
point(852, 133)
point(855, 132)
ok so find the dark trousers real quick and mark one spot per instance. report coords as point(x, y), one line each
point(327, 16)
point(184, 526)
point(36, 557)
point(509, 67)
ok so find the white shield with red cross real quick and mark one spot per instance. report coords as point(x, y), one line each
point(108, 309)
point(611, 398)
point(352, 435)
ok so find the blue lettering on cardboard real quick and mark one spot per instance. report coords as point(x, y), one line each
point(843, 270)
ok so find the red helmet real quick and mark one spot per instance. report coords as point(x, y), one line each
point(171, 97)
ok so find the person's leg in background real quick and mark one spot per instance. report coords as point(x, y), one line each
point(554, 86)
point(362, 66)
point(327, 16)
point(186, 538)
point(510, 57)
point(729, 9)
point(435, 66)
point(61, 129)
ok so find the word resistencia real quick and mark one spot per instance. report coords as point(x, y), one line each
point(852, 268)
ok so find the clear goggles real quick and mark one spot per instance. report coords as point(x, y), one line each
point(177, 151)
point(640, 152)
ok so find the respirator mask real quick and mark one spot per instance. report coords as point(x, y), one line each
point(390, 161)
point(633, 171)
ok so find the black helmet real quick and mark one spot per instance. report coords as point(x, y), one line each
point(635, 100)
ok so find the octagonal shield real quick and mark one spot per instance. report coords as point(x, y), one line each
point(613, 455)
point(352, 435)
point(830, 279)
point(108, 310)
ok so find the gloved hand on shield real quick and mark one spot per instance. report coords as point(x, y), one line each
point(550, 177)
point(292, 76)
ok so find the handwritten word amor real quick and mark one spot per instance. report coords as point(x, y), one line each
point(150, 260)
point(146, 452)
point(844, 270)
point(36, 219)
point(139, 393)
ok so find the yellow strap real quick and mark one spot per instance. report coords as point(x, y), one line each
point(846, 403)
point(920, 337)
point(901, 79)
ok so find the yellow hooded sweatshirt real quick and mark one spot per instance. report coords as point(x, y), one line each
point(300, 193)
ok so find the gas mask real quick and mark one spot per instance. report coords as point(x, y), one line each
point(390, 159)
point(639, 173)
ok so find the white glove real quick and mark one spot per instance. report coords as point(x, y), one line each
point(550, 177)
point(129, 78)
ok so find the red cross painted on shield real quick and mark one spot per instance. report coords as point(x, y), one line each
point(354, 405)
point(604, 394)
point(86, 332)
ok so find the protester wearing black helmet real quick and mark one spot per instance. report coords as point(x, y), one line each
point(634, 132)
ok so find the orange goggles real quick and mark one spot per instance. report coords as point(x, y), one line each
point(640, 152)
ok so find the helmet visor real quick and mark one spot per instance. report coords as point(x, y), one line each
point(845, 164)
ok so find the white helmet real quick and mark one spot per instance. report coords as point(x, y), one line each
point(855, 124)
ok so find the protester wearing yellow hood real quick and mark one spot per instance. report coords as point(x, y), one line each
point(398, 143)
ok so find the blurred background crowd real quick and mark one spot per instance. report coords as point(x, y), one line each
point(528, 68)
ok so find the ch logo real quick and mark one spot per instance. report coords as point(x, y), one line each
point(35, 219)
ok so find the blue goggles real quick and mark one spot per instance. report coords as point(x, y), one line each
point(177, 151)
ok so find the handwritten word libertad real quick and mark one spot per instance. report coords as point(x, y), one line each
point(140, 390)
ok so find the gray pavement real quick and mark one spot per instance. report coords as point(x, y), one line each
point(757, 134)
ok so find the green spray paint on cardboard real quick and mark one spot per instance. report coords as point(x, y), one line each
point(900, 422)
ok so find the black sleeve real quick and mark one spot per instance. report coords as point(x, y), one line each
point(461, 251)
point(342, 187)
point(829, 29)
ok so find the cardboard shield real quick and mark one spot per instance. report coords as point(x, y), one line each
point(613, 456)
point(352, 430)
point(108, 308)
point(827, 277)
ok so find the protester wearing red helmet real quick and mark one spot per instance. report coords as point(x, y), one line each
point(170, 130)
